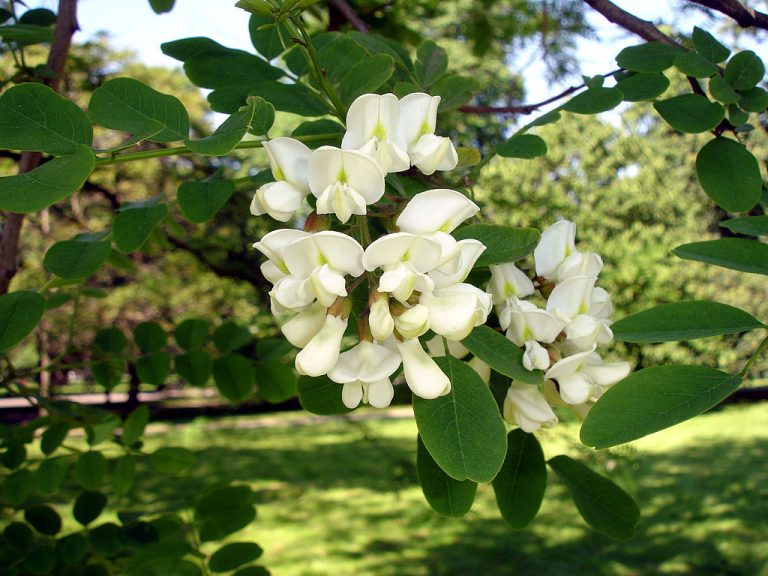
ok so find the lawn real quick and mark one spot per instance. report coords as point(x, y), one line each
point(341, 498)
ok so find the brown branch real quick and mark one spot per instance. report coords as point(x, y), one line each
point(66, 26)
point(744, 17)
point(349, 14)
point(643, 28)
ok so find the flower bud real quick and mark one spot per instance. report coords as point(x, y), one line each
point(422, 375)
point(525, 406)
point(413, 322)
point(322, 351)
point(535, 356)
point(380, 321)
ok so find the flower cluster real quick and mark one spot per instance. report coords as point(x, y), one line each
point(415, 274)
point(562, 336)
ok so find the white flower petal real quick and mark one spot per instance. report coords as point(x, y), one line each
point(322, 352)
point(436, 347)
point(380, 320)
point(352, 394)
point(455, 311)
point(556, 244)
point(508, 280)
point(607, 374)
point(525, 406)
point(432, 153)
point(289, 160)
point(372, 128)
point(571, 297)
point(418, 116)
point(438, 210)
point(300, 329)
point(281, 200)
point(482, 369)
point(458, 268)
point(535, 356)
point(421, 253)
point(579, 264)
point(413, 322)
point(422, 375)
point(575, 388)
point(273, 244)
point(380, 393)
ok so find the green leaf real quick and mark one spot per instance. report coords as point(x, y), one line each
point(722, 91)
point(134, 424)
point(233, 556)
point(14, 456)
point(365, 77)
point(195, 367)
point(125, 473)
point(316, 127)
point(50, 475)
point(263, 116)
point(526, 146)
point(276, 381)
point(265, 36)
point(594, 101)
point(734, 253)
point(154, 368)
point(234, 377)
point(463, 430)
point(549, 118)
point(431, 63)
point(17, 487)
point(252, 571)
point(643, 86)
point(150, 337)
point(72, 548)
point(172, 460)
point(48, 183)
point(34, 117)
point(75, 259)
point(708, 46)
point(53, 437)
point(231, 336)
point(750, 225)
point(200, 201)
point(88, 506)
point(228, 134)
point(654, 399)
point(454, 91)
point(320, 396)
point(101, 427)
point(754, 100)
point(26, 34)
point(603, 504)
point(649, 57)
point(90, 469)
point(20, 312)
point(107, 539)
point(162, 6)
point(19, 535)
point(130, 106)
point(218, 499)
point(445, 495)
point(501, 354)
point(40, 559)
point(187, 48)
point(293, 98)
point(690, 113)
point(729, 174)
point(44, 519)
point(110, 340)
point(744, 70)
point(133, 226)
point(225, 521)
point(502, 243)
point(683, 321)
point(694, 65)
point(519, 486)
point(192, 333)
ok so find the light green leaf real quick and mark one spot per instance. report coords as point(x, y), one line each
point(186, 48)
point(276, 381)
point(150, 337)
point(228, 134)
point(90, 469)
point(720, 90)
point(501, 354)
point(110, 340)
point(463, 430)
point(454, 91)
point(172, 460)
point(133, 226)
point(154, 368)
point(744, 70)
point(192, 333)
point(131, 106)
point(431, 63)
point(88, 506)
point(690, 113)
point(594, 101)
point(233, 556)
point(445, 495)
point(654, 399)
point(526, 146)
point(321, 396)
point(694, 65)
point(366, 76)
point(26, 34)
point(602, 504)
point(502, 243)
point(72, 259)
point(263, 116)
point(729, 174)
point(48, 183)
point(519, 486)
point(708, 46)
point(683, 321)
point(34, 117)
point(643, 86)
point(734, 253)
point(234, 377)
point(134, 424)
point(20, 312)
point(265, 36)
point(649, 57)
point(195, 367)
point(750, 225)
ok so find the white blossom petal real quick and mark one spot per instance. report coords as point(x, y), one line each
point(418, 116)
point(322, 352)
point(508, 280)
point(438, 210)
point(556, 244)
point(535, 356)
point(455, 311)
point(432, 153)
point(372, 128)
point(458, 268)
point(413, 322)
point(352, 394)
point(421, 253)
point(423, 376)
point(380, 393)
point(482, 369)
point(289, 160)
point(436, 347)
point(525, 406)
point(380, 319)
point(300, 329)
point(571, 297)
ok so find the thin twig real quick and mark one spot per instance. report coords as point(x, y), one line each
point(744, 16)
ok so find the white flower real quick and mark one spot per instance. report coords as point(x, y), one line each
point(579, 264)
point(525, 406)
point(422, 375)
point(535, 356)
point(380, 319)
point(365, 371)
point(438, 210)
point(300, 329)
point(584, 331)
point(413, 322)
point(583, 376)
point(418, 118)
point(436, 347)
point(372, 128)
point(289, 160)
point(556, 244)
point(322, 352)
point(600, 306)
point(524, 321)
point(508, 280)
point(455, 311)
point(272, 245)
point(344, 181)
point(571, 297)
point(482, 369)
point(457, 266)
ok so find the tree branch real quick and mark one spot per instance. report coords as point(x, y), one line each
point(643, 28)
point(744, 17)
point(349, 14)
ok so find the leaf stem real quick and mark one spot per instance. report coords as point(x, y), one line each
point(752, 359)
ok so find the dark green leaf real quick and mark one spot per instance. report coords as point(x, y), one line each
point(754, 100)
point(228, 134)
point(338, 55)
point(40, 559)
point(200, 201)
point(445, 495)
point(72, 259)
point(186, 48)
point(708, 46)
point(125, 473)
point(150, 337)
point(234, 377)
point(108, 373)
point(454, 91)
point(90, 469)
point(225, 521)
point(649, 57)
point(20, 312)
point(683, 321)
point(263, 116)
point(110, 340)
point(463, 430)
point(133, 226)
point(72, 548)
point(694, 65)
point(192, 333)
point(526, 146)
point(603, 504)
point(654, 399)
point(333, 129)
point(38, 17)
point(88, 506)
point(722, 91)
point(48, 183)
point(17, 487)
point(233, 556)
point(594, 101)
point(293, 98)
point(252, 571)
point(50, 475)
point(14, 456)
point(222, 499)
point(195, 367)
point(750, 225)
point(154, 368)
point(519, 485)
point(744, 70)
point(130, 106)
point(53, 437)
point(320, 396)
point(365, 77)
point(690, 113)
point(231, 336)
point(44, 519)
point(500, 354)
point(172, 460)
point(161, 6)
point(431, 63)
point(107, 539)
point(34, 117)
point(503, 243)
point(643, 86)
point(19, 535)
point(265, 36)
point(734, 253)
point(276, 381)
point(134, 424)
point(101, 427)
